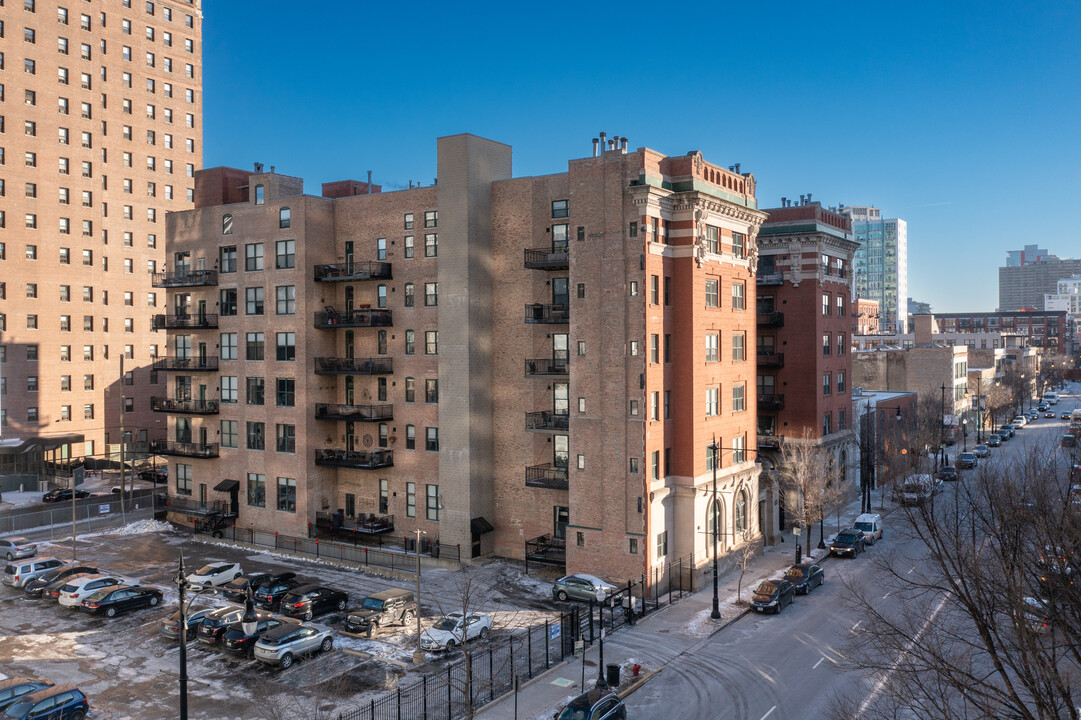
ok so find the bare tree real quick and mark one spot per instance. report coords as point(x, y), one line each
point(803, 474)
point(985, 619)
point(743, 554)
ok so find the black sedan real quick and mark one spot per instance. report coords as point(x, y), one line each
point(848, 542)
point(307, 601)
point(36, 587)
point(947, 472)
point(216, 623)
point(773, 595)
point(237, 590)
point(601, 703)
point(63, 494)
point(269, 596)
point(236, 642)
point(805, 578)
point(110, 602)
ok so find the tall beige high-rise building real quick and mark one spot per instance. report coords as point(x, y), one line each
point(100, 137)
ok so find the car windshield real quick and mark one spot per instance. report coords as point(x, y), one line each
point(795, 574)
point(445, 624)
point(372, 604)
point(863, 526)
point(846, 537)
point(766, 588)
point(19, 709)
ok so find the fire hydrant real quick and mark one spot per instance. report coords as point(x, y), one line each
point(635, 669)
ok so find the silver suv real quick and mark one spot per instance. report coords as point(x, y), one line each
point(19, 572)
point(281, 645)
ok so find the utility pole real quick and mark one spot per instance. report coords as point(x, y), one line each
point(942, 426)
point(716, 612)
point(418, 654)
point(123, 404)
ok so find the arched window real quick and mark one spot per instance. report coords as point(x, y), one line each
point(741, 512)
point(227, 225)
point(283, 217)
point(713, 520)
point(258, 194)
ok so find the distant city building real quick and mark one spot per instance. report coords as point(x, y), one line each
point(1053, 330)
point(881, 263)
point(867, 321)
point(1029, 256)
point(1025, 286)
point(918, 308)
point(1068, 300)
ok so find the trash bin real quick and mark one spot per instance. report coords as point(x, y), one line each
point(613, 675)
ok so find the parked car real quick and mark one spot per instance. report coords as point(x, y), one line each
point(216, 622)
point(918, 488)
point(59, 702)
point(1042, 406)
point(77, 590)
point(17, 547)
point(281, 645)
point(805, 578)
point(14, 688)
point(1008, 429)
point(1020, 421)
point(994, 440)
point(19, 572)
point(1032, 616)
point(848, 542)
point(155, 475)
point(1056, 568)
point(773, 595)
point(170, 626)
point(871, 526)
point(110, 602)
point(448, 631)
point(36, 587)
point(63, 494)
point(236, 642)
point(947, 472)
point(580, 586)
point(967, 460)
point(52, 590)
point(1004, 436)
point(269, 596)
point(981, 451)
point(237, 590)
point(307, 601)
point(215, 574)
point(388, 607)
point(1049, 414)
point(597, 704)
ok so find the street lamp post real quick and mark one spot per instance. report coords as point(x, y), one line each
point(964, 435)
point(942, 428)
point(979, 409)
point(716, 612)
point(418, 654)
point(601, 598)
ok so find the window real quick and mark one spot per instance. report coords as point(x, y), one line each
point(410, 499)
point(654, 290)
point(713, 242)
point(256, 489)
point(840, 305)
point(408, 221)
point(713, 347)
point(286, 299)
point(183, 479)
point(737, 296)
point(712, 401)
point(825, 304)
point(287, 494)
point(739, 393)
point(738, 244)
point(256, 436)
point(826, 384)
point(633, 349)
point(253, 257)
point(228, 388)
point(654, 348)
point(227, 259)
point(410, 342)
point(431, 390)
point(431, 245)
point(826, 424)
point(253, 301)
point(381, 249)
point(408, 246)
point(431, 439)
point(227, 302)
point(713, 292)
point(284, 216)
point(258, 194)
point(286, 346)
point(840, 343)
point(560, 209)
point(431, 294)
point(654, 405)
point(287, 439)
point(285, 392)
point(662, 544)
point(254, 348)
point(431, 342)
point(410, 437)
point(285, 254)
point(408, 295)
point(255, 390)
point(228, 346)
point(738, 352)
point(431, 218)
point(840, 381)
point(410, 390)
point(826, 344)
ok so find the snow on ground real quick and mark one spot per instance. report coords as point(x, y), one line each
point(549, 713)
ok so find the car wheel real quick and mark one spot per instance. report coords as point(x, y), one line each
point(78, 715)
point(153, 600)
point(372, 627)
point(10, 556)
point(561, 595)
point(484, 633)
point(287, 661)
point(327, 644)
point(251, 652)
point(217, 534)
point(341, 605)
point(451, 644)
point(309, 615)
point(110, 612)
point(408, 617)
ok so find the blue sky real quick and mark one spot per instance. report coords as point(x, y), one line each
point(960, 117)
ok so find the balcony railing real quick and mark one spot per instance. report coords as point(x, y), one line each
point(552, 314)
point(362, 317)
point(187, 321)
point(771, 360)
point(184, 449)
point(773, 278)
point(349, 271)
point(550, 258)
point(185, 278)
point(354, 366)
point(546, 420)
point(190, 364)
point(771, 319)
point(354, 413)
point(350, 459)
point(770, 402)
point(546, 476)
point(189, 407)
point(547, 367)
point(192, 506)
point(769, 442)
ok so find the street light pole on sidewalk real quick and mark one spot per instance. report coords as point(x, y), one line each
point(601, 682)
point(713, 513)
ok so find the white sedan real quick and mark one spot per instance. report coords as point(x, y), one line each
point(447, 632)
point(215, 574)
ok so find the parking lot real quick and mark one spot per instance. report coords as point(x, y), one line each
point(129, 671)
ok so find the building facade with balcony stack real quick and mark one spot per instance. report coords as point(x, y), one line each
point(519, 366)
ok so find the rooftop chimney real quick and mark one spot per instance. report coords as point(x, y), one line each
point(604, 140)
point(595, 143)
point(783, 201)
point(808, 198)
point(737, 168)
point(623, 144)
point(802, 200)
point(258, 167)
point(272, 168)
point(369, 182)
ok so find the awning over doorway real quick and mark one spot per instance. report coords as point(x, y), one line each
point(227, 486)
point(479, 526)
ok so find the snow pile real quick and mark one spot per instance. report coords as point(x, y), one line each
point(142, 527)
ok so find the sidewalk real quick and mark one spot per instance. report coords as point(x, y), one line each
point(656, 639)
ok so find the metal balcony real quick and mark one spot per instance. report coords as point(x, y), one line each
point(185, 278)
point(187, 321)
point(546, 421)
point(770, 360)
point(188, 364)
point(354, 366)
point(769, 442)
point(774, 278)
point(363, 317)
point(186, 407)
point(354, 413)
point(547, 476)
point(351, 271)
point(551, 258)
point(547, 367)
point(184, 449)
point(771, 402)
point(550, 314)
point(771, 319)
point(360, 460)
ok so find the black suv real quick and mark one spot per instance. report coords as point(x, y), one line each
point(848, 542)
point(389, 607)
point(307, 601)
point(269, 596)
point(237, 590)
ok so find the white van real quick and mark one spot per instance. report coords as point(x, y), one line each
point(1050, 397)
point(916, 489)
point(870, 524)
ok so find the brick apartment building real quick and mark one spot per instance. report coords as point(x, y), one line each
point(497, 361)
point(101, 115)
point(805, 320)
